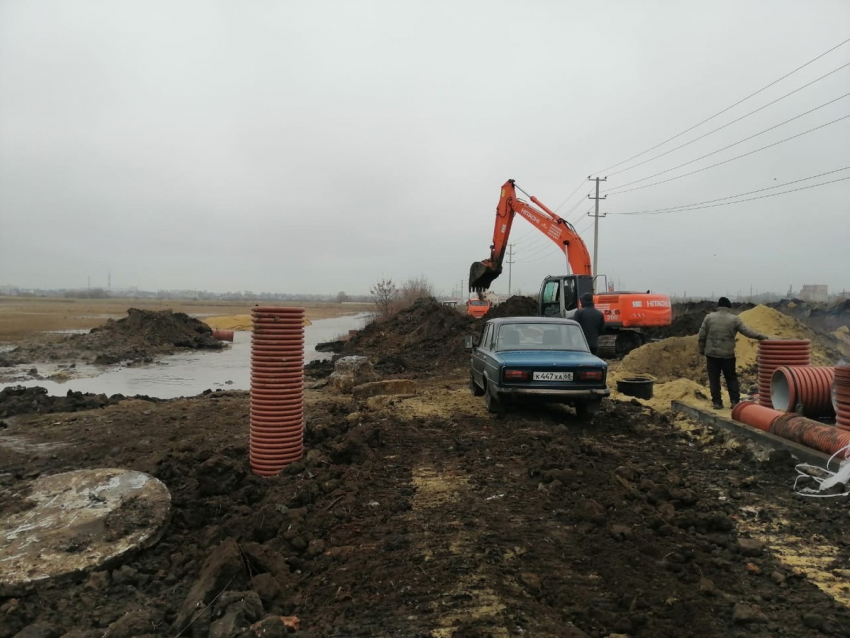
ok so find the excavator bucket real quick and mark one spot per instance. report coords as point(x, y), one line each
point(481, 275)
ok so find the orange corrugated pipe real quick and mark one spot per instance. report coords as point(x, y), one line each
point(222, 335)
point(841, 396)
point(808, 386)
point(277, 389)
point(779, 352)
point(755, 415)
point(800, 429)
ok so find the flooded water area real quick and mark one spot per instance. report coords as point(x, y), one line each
point(184, 374)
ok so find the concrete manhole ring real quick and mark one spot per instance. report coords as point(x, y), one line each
point(78, 521)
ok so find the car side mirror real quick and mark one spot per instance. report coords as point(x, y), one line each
point(468, 342)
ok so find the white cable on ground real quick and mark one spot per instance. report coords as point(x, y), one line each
point(841, 476)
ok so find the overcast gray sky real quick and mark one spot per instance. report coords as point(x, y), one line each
point(318, 146)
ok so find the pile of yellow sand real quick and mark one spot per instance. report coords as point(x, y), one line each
point(678, 357)
point(778, 326)
point(665, 360)
point(684, 390)
point(679, 371)
point(843, 335)
point(235, 322)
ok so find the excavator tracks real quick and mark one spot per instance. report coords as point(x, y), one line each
point(607, 347)
point(616, 345)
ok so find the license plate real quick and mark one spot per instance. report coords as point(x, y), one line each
point(553, 376)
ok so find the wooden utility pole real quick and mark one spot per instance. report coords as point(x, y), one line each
point(596, 217)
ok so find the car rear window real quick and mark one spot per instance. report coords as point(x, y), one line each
point(479, 303)
point(537, 336)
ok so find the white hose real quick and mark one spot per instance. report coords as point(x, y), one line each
point(841, 476)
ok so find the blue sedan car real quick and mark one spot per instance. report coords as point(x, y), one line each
point(537, 358)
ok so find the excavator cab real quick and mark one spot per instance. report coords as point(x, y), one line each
point(559, 295)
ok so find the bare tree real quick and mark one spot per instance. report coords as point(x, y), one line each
point(341, 297)
point(384, 295)
point(413, 289)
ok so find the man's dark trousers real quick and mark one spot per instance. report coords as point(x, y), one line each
point(715, 366)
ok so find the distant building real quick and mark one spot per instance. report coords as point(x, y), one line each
point(814, 293)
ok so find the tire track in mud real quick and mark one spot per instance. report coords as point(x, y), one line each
point(528, 525)
point(471, 513)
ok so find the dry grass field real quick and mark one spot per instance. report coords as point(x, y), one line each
point(20, 317)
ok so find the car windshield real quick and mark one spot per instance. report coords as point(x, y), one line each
point(478, 303)
point(540, 336)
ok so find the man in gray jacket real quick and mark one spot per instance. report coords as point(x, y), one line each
point(717, 343)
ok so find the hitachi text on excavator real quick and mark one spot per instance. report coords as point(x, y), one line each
point(625, 312)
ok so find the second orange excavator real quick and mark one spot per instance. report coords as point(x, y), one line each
point(625, 312)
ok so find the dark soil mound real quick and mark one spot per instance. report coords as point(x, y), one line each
point(820, 317)
point(424, 337)
point(16, 400)
point(159, 328)
point(516, 306)
point(138, 337)
point(319, 369)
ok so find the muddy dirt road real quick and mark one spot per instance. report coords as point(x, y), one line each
point(427, 517)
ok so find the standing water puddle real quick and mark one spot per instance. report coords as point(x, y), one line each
point(190, 373)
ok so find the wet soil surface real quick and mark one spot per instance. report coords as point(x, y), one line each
point(137, 338)
point(434, 520)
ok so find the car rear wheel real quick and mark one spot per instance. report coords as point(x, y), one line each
point(494, 406)
point(586, 410)
point(476, 389)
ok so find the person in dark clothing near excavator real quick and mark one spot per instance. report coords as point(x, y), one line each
point(717, 343)
point(592, 322)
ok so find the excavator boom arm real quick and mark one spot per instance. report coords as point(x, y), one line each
point(558, 230)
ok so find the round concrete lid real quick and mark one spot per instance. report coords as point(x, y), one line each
point(77, 521)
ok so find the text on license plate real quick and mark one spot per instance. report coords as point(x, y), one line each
point(553, 376)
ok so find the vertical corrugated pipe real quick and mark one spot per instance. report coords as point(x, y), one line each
point(809, 387)
point(825, 438)
point(222, 335)
point(755, 415)
point(779, 352)
point(841, 396)
point(277, 389)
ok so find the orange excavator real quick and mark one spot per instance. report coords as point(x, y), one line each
point(625, 312)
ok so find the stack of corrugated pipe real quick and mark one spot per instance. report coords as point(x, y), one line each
point(774, 353)
point(841, 396)
point(277, 389)
point(797, 395)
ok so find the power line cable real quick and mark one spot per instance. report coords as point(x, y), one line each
point(793, 190)
point(673, 209)
point(540, 249)
point(764, 88)
point(580, 184)
point(696, 139)
point(577, 205)
point(796, 117)
point(731, 159)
